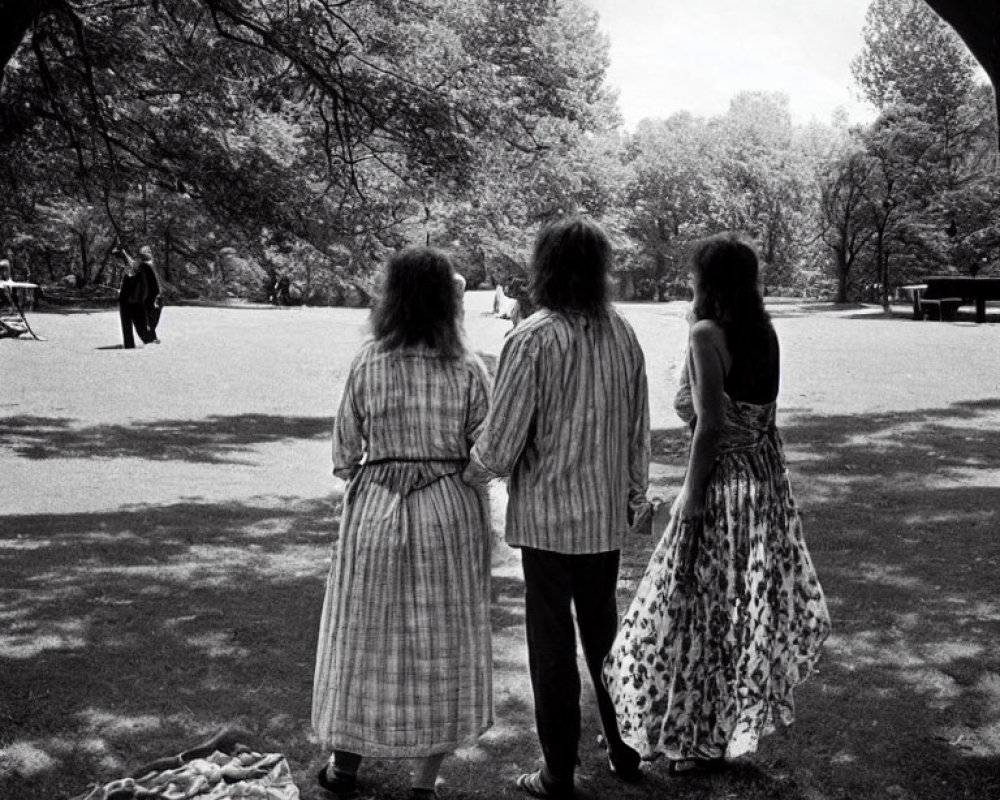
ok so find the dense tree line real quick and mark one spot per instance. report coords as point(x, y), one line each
point(917, 191)
point(245, 139)
point(309, 135)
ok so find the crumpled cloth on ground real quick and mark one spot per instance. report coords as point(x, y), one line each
point(242, 776)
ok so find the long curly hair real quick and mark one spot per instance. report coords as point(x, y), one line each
point(419, 303)
point(570, 267)
point(726, 270)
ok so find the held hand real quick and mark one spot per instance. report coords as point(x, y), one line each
point(641, 520)
point(475, 475)
point(347, 473)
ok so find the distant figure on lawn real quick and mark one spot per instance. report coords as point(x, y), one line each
point(152, 303)
point(404, 661)
point(569, 424)
point(132, 300)
point(154, 297)
point(729, 616)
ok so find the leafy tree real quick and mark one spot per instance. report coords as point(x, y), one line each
point(978, 23)
point(845, 217)
point(768, 180)
point(899, 185)
point(260, 124)
point(928, 164)
point(670, 190)
point(911, 57)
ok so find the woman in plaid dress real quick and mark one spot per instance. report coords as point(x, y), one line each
point(403, 668)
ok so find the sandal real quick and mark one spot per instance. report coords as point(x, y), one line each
point(531, 783)
point(343, 787)
point(695, 767)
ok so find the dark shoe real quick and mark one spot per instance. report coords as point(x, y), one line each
point(627, 771)
point(343, 787)
point(624, 765)
point(531, 783)
point(424, 794)
point(695, 767)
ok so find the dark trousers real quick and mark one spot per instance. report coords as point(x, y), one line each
point(153, 311)
point(133, 315)
point(346, 762)
point(553, 581)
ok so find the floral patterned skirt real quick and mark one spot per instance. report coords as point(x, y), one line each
point(727, 619)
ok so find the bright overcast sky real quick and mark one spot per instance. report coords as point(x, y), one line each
point(694, 55)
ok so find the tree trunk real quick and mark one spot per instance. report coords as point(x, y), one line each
point(166, 253)
point(101, 268)
point(842, 269)
point(884, 278)
point(83, 278)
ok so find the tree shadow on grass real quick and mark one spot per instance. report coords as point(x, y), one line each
point(214, 440)
point(128, 635)
point(670, 446)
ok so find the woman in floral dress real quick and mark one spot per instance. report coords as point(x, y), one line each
point(404, 665)
point(729, 616)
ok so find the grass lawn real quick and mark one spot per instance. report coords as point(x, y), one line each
point(167, 516)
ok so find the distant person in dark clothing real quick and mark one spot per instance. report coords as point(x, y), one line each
point(282, 291)
point(154, 300)
point(152, 303)
point(132, 305)
point(524, 307)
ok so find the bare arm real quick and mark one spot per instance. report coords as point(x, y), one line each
point(708, 359)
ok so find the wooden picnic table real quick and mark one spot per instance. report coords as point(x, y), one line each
point(12, 325)
point(914, 291)
point(958, 290)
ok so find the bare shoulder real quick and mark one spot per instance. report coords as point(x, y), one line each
point(709, 339)
point(708, 332)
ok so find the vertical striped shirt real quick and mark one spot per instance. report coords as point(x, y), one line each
point(569, 423)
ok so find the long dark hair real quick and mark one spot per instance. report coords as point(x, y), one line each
point(419, 303)
point(570, 267)
point(726, 269)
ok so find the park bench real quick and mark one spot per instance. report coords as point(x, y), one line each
point(12, 320)
point(939, 298)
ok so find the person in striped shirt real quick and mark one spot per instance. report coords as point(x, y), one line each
point(569, 424)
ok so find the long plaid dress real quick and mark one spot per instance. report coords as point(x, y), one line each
point(404, 665)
